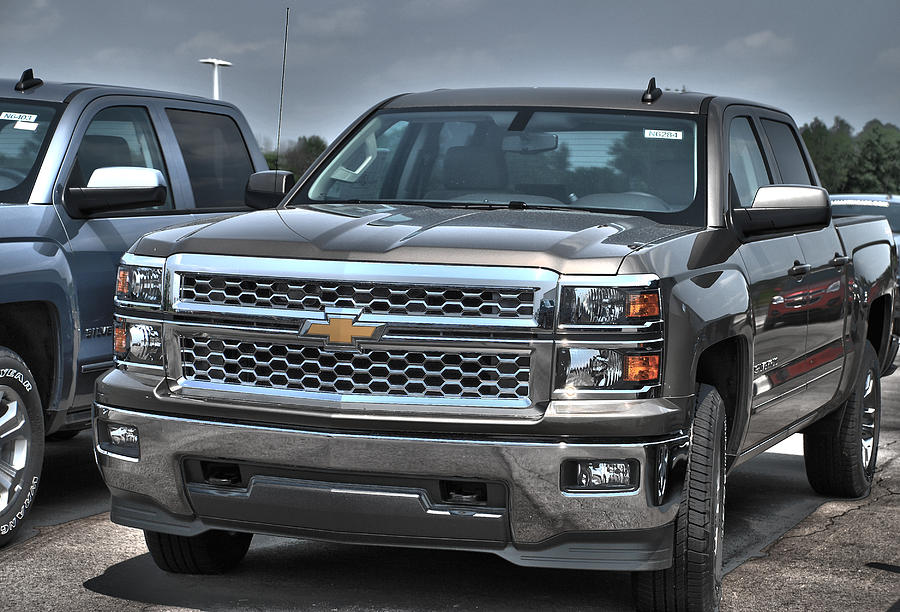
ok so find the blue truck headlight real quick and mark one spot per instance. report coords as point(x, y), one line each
point(140, 281)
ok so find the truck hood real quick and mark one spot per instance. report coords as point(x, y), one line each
point(573, 242)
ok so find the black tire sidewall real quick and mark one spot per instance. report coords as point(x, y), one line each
point(698, 585)
point(16, 375)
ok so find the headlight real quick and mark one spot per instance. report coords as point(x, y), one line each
point(138, 342)
point(593, 306)
point(140, 281)
point(777, 299)
point(591, 369)
point(834, 287)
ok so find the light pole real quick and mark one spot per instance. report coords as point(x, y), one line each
point(215, 64)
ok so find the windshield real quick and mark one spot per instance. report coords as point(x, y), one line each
point(848, 208)
point(25, 129)
point(633, 163)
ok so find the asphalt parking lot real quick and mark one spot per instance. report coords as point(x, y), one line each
point(786, 549)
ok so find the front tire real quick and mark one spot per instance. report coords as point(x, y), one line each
point(694, 581)
point(841, 450)
point(21, 443)
point(211, 552)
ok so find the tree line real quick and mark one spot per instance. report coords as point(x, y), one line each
point(867, 162)
point(847, 162)
point(298, 155)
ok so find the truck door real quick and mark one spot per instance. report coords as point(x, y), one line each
point(826, 284)
point(774, 268)
point(131, 131)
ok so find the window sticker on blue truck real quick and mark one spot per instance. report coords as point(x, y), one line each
point(25, 125)
point(664, 134)
point(8, 116)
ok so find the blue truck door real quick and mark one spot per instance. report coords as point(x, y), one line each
point(111, 132)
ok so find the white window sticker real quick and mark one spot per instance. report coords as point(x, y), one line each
point(25, 125)
point(663, 134)
point(7, 116)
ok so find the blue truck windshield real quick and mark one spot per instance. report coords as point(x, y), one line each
point(633, 163)
point(25, 129)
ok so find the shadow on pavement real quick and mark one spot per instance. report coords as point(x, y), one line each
point(71, 486)
point(299, 574)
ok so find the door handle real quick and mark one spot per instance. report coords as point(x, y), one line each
point(840, 260)
point(799, 269)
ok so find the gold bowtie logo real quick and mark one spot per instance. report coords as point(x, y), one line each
point(341, 330)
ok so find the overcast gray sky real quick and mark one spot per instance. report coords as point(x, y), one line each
point(817, 58)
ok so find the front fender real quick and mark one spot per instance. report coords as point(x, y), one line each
point(38, 271)
point(703, 310)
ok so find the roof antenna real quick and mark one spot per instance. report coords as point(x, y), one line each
point(28, 81)
point(287, 20)
point(652, 93)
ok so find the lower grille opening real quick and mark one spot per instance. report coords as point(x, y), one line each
point(463, 493)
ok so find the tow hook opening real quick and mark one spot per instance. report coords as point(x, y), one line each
point(463, 493)
point(222, 474)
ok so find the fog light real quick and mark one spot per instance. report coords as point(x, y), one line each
point(120, 439)
point(595, 475)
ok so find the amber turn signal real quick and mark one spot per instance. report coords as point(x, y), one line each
point(641, 368)
point(120, 340)
point(122, 283)
point(642, 305)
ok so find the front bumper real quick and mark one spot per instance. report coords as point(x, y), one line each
point(382, 489)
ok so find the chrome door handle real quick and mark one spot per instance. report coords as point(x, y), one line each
point(799, 269)
point(840, 260)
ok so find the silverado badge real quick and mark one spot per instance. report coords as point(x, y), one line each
point(342, 330)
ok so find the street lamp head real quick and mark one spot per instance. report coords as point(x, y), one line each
point(214, 62)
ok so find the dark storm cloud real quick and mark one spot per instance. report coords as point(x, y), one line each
point(821, 58)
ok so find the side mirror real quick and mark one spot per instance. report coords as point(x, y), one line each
point(118, 188)
point(781, 208)
point(267, 189)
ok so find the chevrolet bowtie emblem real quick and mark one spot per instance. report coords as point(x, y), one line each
point(342, 330)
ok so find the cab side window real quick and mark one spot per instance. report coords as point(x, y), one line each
point(119, 136)
point(218, 163)
point(788, 156)
point(747, 167)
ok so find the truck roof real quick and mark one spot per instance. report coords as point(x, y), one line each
point(63, 92)
point(565, 97)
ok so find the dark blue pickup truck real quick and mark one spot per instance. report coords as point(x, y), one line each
point(85, 170)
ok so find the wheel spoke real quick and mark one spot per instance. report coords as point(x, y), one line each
point(6, 488)
point(10, 419)
point(867, 445)
point(8, 472)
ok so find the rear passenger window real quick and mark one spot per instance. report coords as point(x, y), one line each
point(215, 155)
point(787, 153)
point(748, 170)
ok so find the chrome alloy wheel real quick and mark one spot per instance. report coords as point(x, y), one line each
point(15, 441)
point(867, 422)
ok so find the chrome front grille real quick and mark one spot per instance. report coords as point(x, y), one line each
point(310, 295)
point(432, 374)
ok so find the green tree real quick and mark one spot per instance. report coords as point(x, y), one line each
point(876, 168)
point(833, 152)
point(297, 156)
